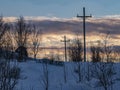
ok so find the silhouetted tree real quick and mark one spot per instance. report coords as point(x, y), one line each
point(22, 31)
point(96, 52)
point(75, 54)
point(105, 73)
point(36, 40)
point(75, 50)
point(107, 49)
point(4, 27)
point(104, 70)
point(9, 74)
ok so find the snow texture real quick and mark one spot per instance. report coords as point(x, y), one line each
point(32, 77)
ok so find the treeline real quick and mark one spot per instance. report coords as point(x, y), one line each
point(100, 51)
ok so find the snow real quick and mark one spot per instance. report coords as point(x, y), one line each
point(32, 76)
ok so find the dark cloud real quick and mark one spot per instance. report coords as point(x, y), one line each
point(95, 26)
point(59, 27)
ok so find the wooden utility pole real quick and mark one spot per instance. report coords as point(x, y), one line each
point(84, 30)
point(65, 43)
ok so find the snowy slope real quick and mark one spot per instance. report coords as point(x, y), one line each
point(32, 78)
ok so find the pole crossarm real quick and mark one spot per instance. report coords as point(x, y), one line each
point(83, 16)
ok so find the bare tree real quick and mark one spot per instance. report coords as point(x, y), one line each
point(3, 28)
point(104, 70)
point(116, 54)
point(103, 50)
point(52, 57)
point(9, 73)
point(96, 52)
point(105, 74)
point(36, 40)
point(8, 46)
point(75, 54)
point(75, 50)
point(22, 31)
point(107, 49)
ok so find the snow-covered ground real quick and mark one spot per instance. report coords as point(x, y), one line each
point(32, 78)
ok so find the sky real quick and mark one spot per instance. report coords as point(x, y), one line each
point(59, 8)
point(56, 17)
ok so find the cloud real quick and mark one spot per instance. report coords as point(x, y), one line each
point(112, 16)
point(56, 27)
point(93, 26)
point(74, 25)
point(40, 18)
point(10, 19)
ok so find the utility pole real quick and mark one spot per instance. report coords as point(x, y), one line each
point(65, 43)
point(84, 30)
